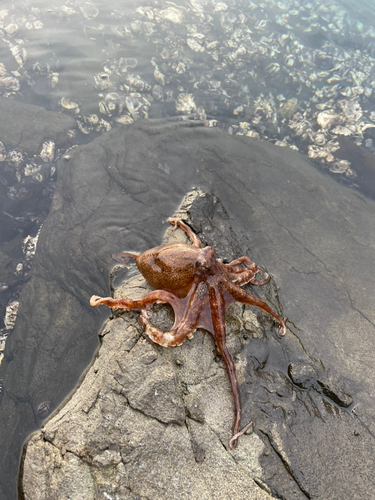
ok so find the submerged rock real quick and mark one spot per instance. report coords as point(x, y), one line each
point(29, 127)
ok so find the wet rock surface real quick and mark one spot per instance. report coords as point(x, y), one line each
point(308, 377)
point(304, 228)
point(31, 141)
point(28, 127)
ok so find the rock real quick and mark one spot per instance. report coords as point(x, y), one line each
point(307, 377)
point(193, 408)
point(122, 433)
point(307, 230)
point(27, 127)
point(131, 376)
point(151, 385)
point(362, 161)
point(332, 388)
point(302, 375)
point(27, 131)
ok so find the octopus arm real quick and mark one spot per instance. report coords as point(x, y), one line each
point(246, 298)
point(217, 304)
point(178, 223)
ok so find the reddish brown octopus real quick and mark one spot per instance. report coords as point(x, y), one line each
point(199, 288)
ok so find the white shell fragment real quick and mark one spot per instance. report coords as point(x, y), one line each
point(172, 14)
point(3, 152)
point(195, 45)
point(124, 120)
point(340, 166)
point(11, 311)
point(328, 118)
point(48, 151)
point(341, 131)
point(89, 9)
point(19, 53)
point(11, 28)
point(159, 77)
point(185, 103)
point(66, 103)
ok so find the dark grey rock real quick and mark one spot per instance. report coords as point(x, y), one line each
point(27, 127)
point(304, 376)
point(151, 385)
point(308, 377)
point(304, 228)
point(332, 388)
point(114, 438)
point(193, 408)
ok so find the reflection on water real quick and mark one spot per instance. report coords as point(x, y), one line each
point(297, 73)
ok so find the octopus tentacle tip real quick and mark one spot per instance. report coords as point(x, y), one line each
point(282, 328)
point(266, 278)
point(95, 300)
point(124, 257)
point(233, 443)
point(234, 439)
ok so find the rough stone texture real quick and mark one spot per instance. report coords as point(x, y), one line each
point(108, 441)
point(314, 236)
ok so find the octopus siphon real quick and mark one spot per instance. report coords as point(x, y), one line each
point(199, 288)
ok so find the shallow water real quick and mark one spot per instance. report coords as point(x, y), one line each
point(298, 74)
point(263, 69)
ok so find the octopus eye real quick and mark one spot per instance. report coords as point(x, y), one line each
point(203, 263)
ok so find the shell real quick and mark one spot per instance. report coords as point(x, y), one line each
point(341, 130)
point(10, 29)
point(3, 153)
point(11, 312)
point(172, 14)
point(195, 45)
point(89, 9)
point(327, 118)
point(340, 166)
point(103, 81)
point(66, 103)
point(48, 151)
point(43, 409)
point(185, 103)
point(159, 77)
point(124, 120)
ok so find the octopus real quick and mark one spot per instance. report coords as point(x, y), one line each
point(199, 288)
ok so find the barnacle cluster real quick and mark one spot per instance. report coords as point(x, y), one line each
point(299, 74)
point(19, 171)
